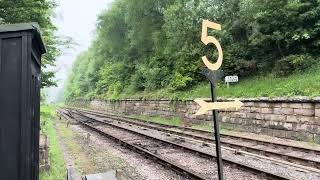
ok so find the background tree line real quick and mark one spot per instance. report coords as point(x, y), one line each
point(145, 45)
point(40, 11)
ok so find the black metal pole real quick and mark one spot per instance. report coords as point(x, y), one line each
point(217, 134)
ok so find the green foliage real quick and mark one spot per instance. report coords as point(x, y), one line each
point(152, 48)
point(268, 85)
point(40, 11)
point(174, 121)
point(57, 165)
point(179, 82)
point(294, 63)
point(298, 84)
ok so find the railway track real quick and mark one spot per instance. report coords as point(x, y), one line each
point(293, 154)
point(194, 151)
point(164, 161)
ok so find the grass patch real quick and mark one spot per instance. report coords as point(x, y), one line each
point(176, 121)
point(207, 126)
point(299, 84)
point(57, 165)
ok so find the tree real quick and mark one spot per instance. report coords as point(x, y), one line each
point(40, 11)
point(146, 45)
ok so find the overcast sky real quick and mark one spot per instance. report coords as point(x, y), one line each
point(76, 19)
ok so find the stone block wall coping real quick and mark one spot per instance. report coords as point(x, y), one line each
point(296, 99)
point(290, 117)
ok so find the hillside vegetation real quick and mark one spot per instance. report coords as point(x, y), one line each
point(152, 49)
point(298, 84)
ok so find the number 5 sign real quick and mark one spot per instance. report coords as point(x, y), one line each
point(209, 39)
point(212, 76)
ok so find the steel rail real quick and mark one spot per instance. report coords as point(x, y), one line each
point(287, 157)
point(254, 170)
point(162, 160)
point(262, 142)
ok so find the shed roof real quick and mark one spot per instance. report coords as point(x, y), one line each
point(34, 27)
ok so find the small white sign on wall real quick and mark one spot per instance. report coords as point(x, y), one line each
point(231, 79)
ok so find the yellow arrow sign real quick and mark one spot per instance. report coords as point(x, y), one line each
point(205, 107)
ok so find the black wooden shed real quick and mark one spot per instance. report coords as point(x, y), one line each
point(21, 47)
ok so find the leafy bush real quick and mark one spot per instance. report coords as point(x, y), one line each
point(136, 82)
point(150, 75)
point(237, 62)
point(240, 67)
point(115, 89)
point(179, 82)
point(293, 63)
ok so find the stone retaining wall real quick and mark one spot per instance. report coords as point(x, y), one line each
point(292, 118)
